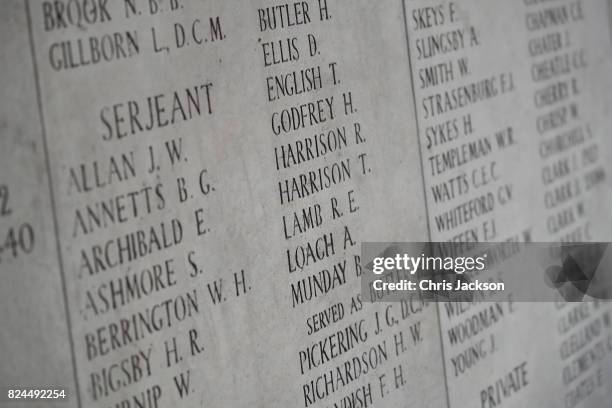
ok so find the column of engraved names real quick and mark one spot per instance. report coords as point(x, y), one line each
point(571, 167)
point(465, 135)
point(321, 156)
point(131, 200)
